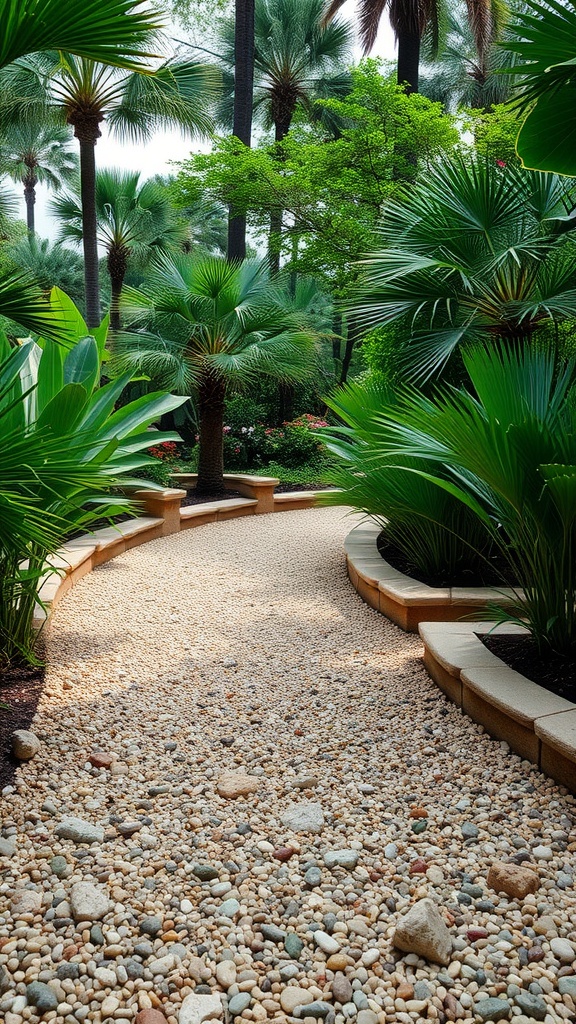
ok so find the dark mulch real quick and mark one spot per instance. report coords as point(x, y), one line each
point(287, 488)
point(200, 499)
point(556, 674)
point(20, 688)
point(496, 572)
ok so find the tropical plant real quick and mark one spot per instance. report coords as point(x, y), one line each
point(50, 266)
point(411, 18)
point(134, 220)
point(460, 73)
point(473, 252)
point(37, 154)
point(62, 448)
point(297, 61)
point(119, 32)
point(210, 327)
point(440, 540)
point(243, 102)
point(544, 46)
point(134, 105)
point(509, 449)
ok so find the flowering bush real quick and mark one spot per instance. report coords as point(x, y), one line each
point(166, 452)
point(292, 445)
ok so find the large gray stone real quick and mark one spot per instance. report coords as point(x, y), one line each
point(88, 902)
point(304, 817)
point(80, 831)
point(492, 1009)
point(341, 858)
point(423, 931)
point(41, 996)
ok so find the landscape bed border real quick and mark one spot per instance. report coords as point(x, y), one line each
point(538, 725)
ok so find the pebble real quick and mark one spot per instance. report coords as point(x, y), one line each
point(533, 1006)
point(327, 943)
point(41, 996)
point(304, 817)
point(25, 744)
point(423, 931)
point(563, 950)
point(492, 1009)
point(328, 705)
point(80, 831)
point(88, 902)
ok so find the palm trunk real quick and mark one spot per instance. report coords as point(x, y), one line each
point(117, 261)
point(87, 132)
point(282, 122)
point(30, 200)
point(408, 60)
point(211, 394)
point(243, 101)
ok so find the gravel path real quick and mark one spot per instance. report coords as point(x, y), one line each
point(237, 657)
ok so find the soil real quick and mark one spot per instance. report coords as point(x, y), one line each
point(200, 499)
point(552, 671)
point(495, 574)
point(20, 689)
point(288, 488)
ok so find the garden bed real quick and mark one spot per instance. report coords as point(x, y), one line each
point(403, 599)
point(537, 724)
point(20, 689)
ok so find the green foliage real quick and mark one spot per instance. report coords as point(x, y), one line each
point(332, 189)
point(62, 449)
point(495, 133)
point(473, 252)
point(51, 266)
point(441, 540)
point(507, 453)
point(544, 39)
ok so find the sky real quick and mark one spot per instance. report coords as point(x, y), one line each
point(155, 156)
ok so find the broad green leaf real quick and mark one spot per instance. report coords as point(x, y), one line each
point(50, 373)
point(547, 138)
point(141, 412)
point(82, 365)
point(63, 413)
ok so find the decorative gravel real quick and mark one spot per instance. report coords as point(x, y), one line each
point(237, 658)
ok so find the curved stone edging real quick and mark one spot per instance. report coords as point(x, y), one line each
point(404, 600)
point(164, 516)
point(537, 724)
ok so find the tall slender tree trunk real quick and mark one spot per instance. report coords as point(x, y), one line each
point(30, 200)
point(211, 395)
point(117, 261)
point(282, 122)
point(87, 132)
point(409, 59)
point(243, 101)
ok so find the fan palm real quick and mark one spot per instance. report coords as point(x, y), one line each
point(134, 105)
point(297, 61)
point(473, 252)
point(49, 265)
point(133, 219)
point(115, 31)
point(37, 154)
point(211, 326)
point(410, 19)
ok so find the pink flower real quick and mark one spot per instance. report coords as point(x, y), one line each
point(501, 163)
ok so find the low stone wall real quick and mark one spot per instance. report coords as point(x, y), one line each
point(406, 601)
point(536, 724)
point(162, 515)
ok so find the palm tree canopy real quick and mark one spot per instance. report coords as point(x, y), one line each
point(414, 16)
point(135, 105)
point(473, 251)
point(38, 151)
point(119, 32)
point(132, 216)
point(209, 316)
point(297, 59)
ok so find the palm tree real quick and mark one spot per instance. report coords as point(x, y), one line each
point(297, 61)
point(37, 154)
point(134, 220)
point(410, 19)
point(211, 326)
point(473, 252)
point(462, 75)
point(49, 265)
point(134, 105)
point(114, 31)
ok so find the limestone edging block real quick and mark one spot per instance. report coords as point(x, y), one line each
point(537, 724)
point(404, 600)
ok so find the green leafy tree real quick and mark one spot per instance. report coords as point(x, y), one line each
point(211, 326)
point(35, 154)
point(297, 61)
point(134, 220)
point(473, 252)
